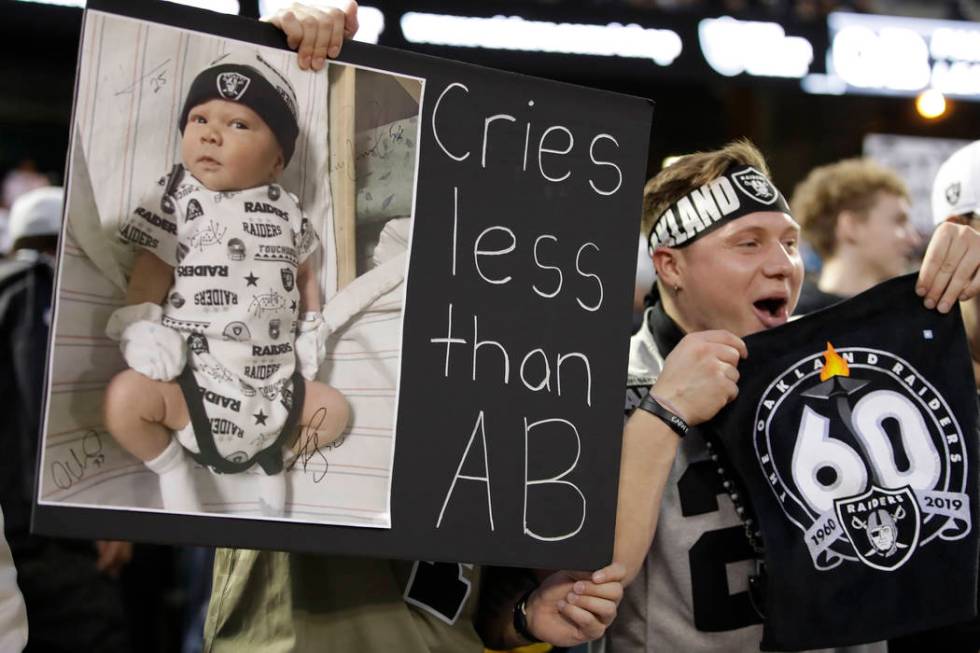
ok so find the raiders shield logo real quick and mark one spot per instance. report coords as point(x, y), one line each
point(305, 236)
point(182, 250)
point(194, 210)
point(197, 343)
point(237, 331)
point(953, 192)
point(288, 280)
point(238, 457)
point(274, 192)
point(274, 328)
point(755, 184)
point(883, 525)
point(232, 85)
point(864, 457)
point(176, 300)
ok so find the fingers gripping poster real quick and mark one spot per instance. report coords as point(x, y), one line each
point(381, 309)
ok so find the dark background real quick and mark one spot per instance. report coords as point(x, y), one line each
point(696, 107)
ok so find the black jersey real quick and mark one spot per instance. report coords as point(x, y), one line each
point(855, 435)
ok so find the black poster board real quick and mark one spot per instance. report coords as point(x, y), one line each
point(515, 327)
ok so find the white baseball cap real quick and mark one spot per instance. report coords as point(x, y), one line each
point(36, 213)
point(956, 189)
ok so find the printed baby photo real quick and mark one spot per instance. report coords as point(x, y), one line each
point(228, 309)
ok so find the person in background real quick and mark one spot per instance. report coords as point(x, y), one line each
point(855, 214)
point(16, 182)
point(70, 587)
point(956, 199)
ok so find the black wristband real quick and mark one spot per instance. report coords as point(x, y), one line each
point(654, 407)
point(520, 618)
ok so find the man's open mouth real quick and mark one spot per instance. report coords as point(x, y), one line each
point(772, 311)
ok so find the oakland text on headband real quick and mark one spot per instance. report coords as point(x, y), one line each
point(740, 191)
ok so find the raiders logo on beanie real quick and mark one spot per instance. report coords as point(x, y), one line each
point(269, 95)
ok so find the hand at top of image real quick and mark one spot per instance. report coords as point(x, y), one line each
point(316, 31)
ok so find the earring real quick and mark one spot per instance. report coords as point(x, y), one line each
point(677, 288)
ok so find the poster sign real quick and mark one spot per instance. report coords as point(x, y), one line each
point(470, 234)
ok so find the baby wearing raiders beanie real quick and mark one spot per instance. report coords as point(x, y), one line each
point(224, 321)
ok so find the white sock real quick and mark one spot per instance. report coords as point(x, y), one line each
point(176, 480)
point(272, 493)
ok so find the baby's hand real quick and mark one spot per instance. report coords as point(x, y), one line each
point(316, 32)
point(311, 345)
point(153, 350)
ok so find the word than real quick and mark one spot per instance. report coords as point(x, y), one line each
point(535, 369)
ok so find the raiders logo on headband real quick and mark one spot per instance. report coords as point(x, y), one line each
point(232, 85)
point(953, 193)
point(824, 437)
point(740, 191)
point(755, 184)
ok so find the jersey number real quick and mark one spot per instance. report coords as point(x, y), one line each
point(439, 588)
point(715, 608)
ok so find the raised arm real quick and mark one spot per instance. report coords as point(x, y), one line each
point(699, 377)
point(951, 272)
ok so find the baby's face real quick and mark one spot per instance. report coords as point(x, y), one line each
point(227, 146)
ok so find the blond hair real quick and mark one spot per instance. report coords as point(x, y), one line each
point(693, 171)
point(848, 185)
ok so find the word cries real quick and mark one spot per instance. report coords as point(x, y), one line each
point(556, 141)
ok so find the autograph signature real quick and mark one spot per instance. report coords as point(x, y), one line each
point(310, 447)
point(157, 78)
point(66, 473)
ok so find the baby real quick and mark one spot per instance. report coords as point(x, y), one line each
point(217, 372)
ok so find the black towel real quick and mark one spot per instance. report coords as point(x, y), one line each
point(855, 437)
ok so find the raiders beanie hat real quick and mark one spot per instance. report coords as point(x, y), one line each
point(273, 99)
point(956, 189)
